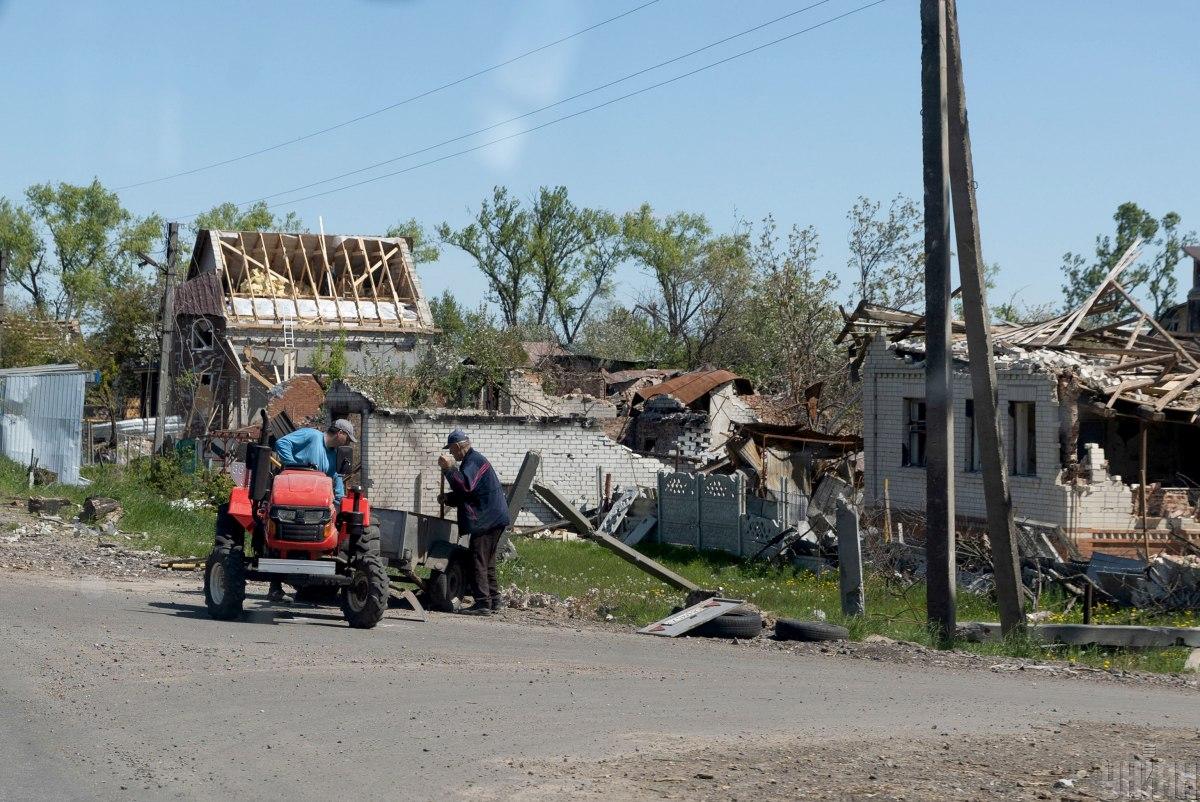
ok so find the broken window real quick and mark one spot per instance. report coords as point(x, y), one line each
point(1024, 440)
point(202, 335)
point(973, 463)
point(914, 430)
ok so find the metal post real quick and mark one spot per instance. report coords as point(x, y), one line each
point(599, 495)
point(850, 576)
point(1145, 528)
point(997, 497)
point(939, 450)
point(168, 334)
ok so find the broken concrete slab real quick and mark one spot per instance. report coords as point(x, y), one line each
point(1193, 661)
point(643, 528)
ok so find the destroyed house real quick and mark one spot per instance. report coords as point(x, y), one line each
point(259, 307)
point(1099, 411)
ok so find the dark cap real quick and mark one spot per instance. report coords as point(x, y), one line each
point(456, 436)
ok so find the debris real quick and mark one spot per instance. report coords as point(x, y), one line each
point(1193, 661)
point(619, 509)
point(685, 620)
point(47, 506)
point(189, 504)
point(643, 528)
point(794, 629)
point(100, 510)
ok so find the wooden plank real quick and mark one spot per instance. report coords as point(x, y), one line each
point(249, 277)
point(370, 274)
point(1126, 386)
point(1181, 387)
point(1119, 268)
point(1157, 326)
point(1139, 363)
point(337, 307)
point(387, 272)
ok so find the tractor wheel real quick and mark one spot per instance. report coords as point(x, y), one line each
point(446, 588)
point(229, 533)
point(225, 583)
point(365, 599)
point(368, 542)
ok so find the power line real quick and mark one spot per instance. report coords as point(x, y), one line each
point(574, 114)
point(395, 105)
point(556, 103)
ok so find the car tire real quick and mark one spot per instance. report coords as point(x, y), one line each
point(740, 624)
point(793, 629)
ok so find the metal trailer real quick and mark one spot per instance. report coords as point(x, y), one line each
point(409, 541)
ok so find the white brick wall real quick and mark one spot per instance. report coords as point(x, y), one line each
point(1105, 504)
point(527, 396)
point(404, 446)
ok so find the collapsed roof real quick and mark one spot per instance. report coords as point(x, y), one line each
point(1130, 360)
point(312, 280)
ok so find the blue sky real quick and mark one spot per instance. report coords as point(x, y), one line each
point(1076, 106)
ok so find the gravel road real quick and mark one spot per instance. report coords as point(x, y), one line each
point(118, 689)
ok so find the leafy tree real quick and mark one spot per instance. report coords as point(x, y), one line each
point(1156, 277)
point(700, 280)
point(70, 243)
point(256, 217)
point(592, 280)
point(448, 314)
point(887, 252)
point(623, 333)
point(793, 316)
point(498, 242)
point(424, 247)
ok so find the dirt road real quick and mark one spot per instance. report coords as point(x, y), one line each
point(120, 690)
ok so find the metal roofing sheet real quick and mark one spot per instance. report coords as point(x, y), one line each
point(690, 387)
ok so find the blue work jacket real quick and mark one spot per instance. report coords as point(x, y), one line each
point(305, 447)
point(475, 489)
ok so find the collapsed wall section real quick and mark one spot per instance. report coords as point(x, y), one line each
point(405, 443)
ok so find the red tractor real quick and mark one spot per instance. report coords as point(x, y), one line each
point(298, 536)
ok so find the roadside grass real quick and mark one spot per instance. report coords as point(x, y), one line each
point(177, 533)
point(613, 587)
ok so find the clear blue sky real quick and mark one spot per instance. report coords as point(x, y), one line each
point(1076, 106)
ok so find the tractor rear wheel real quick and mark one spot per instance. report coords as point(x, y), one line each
point(446, 588)
point(365, 599)
point(225, 583)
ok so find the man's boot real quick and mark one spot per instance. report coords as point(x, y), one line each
point(481, 607)
point(275, 594)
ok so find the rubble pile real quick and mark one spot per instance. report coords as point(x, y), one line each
point(49, 543)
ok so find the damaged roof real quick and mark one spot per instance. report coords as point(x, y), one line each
point(690, 387)
point(258, 278)
point(1116, 349)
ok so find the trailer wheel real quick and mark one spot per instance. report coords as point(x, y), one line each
point(447, 587)
point(225, 583)
point(365, 599)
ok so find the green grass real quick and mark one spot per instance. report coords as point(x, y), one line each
point(177, 533)
point(609, 585)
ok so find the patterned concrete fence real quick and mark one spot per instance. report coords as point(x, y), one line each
point(709, 512)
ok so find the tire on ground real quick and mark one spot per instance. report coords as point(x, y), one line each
point(446, 588)
point(365, 599)
point(793, 629)
point(225, 583)
point(734, 624)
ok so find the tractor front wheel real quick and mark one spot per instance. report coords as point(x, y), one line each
point(225, 583)
point(365, 599)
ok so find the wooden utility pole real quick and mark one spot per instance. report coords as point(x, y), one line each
point(168, 336)
point(939, 428)
point(997, 498)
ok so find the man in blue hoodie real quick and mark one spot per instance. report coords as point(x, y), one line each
point(305, 447)
point(476, 491)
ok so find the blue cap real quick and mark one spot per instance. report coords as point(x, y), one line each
point(456, 436)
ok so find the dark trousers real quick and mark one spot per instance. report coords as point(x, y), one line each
point(483, 555)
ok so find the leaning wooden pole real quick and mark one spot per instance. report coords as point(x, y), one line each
point(997, 498)
point(939, 456)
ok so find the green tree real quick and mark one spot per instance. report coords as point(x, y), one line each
point(1083, 275)
point(498, 242)
point(700, 280)
point(424, 247)
point(71, 243)
point(255, 217)
point(887, 252)
point(619, 332)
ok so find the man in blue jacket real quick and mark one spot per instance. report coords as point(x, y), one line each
point(476, 491)
point(305, 447)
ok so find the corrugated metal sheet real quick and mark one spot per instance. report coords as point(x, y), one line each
point(41, 413)
point(690, 387)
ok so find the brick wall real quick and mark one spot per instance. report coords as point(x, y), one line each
point(527, 396)
point(1102, 504)
point(404, 446)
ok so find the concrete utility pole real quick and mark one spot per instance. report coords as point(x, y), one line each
point(3, 302)
point(168, 336)
point(939, 429)
point(1001, 532)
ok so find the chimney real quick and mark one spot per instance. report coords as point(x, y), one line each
point(1193, 296)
